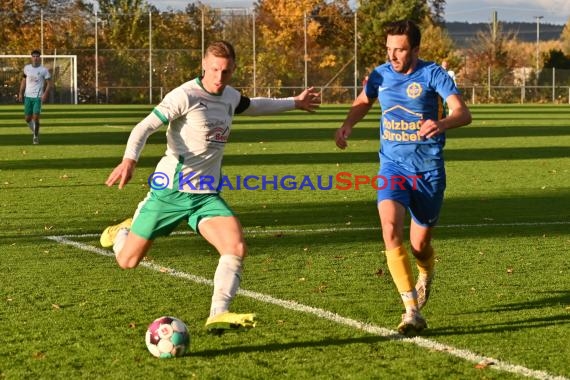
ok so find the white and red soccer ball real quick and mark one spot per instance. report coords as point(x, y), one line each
point(167, 337)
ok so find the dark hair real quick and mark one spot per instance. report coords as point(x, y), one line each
point(407, 28)
point(221, 49)
point(36, 52)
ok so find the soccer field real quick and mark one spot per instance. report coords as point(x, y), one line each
point(315, 276)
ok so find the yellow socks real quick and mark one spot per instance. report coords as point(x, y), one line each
point(402, 275)
point(426, 261)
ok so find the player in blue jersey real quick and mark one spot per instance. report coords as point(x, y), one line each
point(34, 90)
point(411, 93)
point(198, 115)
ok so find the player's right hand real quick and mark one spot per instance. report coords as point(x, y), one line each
point(341, 136)
point(122, 173)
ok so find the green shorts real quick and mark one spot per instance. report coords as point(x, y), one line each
point(32, 106)
point(162, 210)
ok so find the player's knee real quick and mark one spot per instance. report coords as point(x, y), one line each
point(391, 235)
point(421, 249)
point(240, 249)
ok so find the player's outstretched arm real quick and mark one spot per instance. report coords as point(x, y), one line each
point(358, 110)
point(122, 173)
point(137, 139)
point(308, 100)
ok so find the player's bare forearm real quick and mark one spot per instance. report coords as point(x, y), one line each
point(358, 110)
point(459, 114)
point(22, 89)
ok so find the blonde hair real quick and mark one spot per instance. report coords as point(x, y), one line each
point(221, 49)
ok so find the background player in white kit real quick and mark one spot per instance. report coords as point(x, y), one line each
point(34, 90)
point(199, 116)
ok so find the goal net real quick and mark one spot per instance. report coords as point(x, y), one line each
point(63, 70)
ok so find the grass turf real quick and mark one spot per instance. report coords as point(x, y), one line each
point(501, 289)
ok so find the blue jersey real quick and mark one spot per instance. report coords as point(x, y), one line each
point(405, 100)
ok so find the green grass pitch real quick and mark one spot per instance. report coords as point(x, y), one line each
point(315, 275)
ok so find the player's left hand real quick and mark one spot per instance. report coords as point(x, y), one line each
point(430, 128)
point(308, 100)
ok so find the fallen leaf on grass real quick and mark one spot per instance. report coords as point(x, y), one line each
point(38, 355)
point(484, 363)
point(321, 288)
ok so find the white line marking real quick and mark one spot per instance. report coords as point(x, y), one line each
point(344, 229)
point(369, 328)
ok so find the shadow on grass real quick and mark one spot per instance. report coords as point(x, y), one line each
point(491, 154)
point(562, 297)
point(499, 327)
point(96, 135)
point(275, 347)
point(347, 220)
point(229, 159)
point(114, 137)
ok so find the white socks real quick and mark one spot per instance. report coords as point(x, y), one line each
point(226, 283)
point(120, 240)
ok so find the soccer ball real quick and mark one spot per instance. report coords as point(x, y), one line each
point(167, 337)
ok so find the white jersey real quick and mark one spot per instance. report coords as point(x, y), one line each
point(199, 125)
point(35, 80)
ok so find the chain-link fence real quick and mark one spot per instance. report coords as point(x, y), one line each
point(137, 58)
point(549, 86)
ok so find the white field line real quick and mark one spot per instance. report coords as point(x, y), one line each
point(292, 305)
point(344, 229)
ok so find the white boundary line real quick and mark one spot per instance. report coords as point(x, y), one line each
point(341, 229)
point(291, 305)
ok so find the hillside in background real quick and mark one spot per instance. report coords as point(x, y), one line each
point(464, 33)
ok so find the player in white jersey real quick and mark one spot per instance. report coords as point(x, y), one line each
point(34, 90)
point(199, 116)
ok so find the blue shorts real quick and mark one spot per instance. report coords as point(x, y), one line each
point(420, 193)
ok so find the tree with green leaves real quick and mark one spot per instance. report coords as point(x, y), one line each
point(373, 16)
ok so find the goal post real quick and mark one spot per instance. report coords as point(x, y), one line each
point(63, 70)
